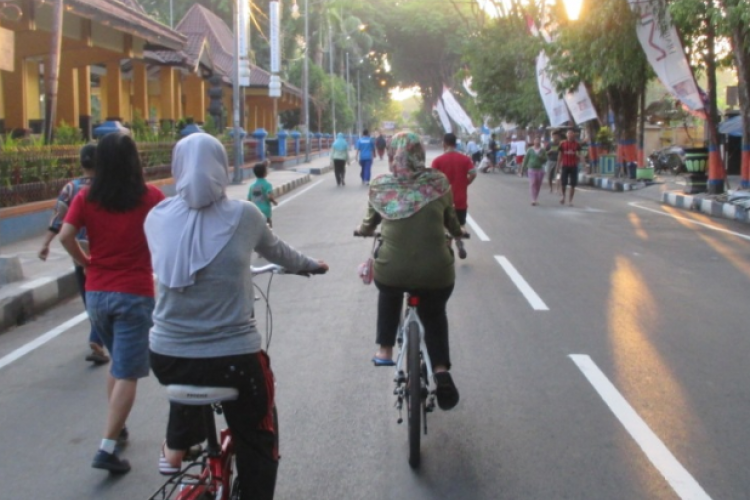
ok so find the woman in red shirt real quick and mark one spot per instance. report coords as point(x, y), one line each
point(119, 277)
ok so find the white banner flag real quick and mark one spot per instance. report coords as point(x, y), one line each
point(665, 54)
point(274, 19)
point(553, 103)
point(444, 120)
point(580, 105)
point(455, 111)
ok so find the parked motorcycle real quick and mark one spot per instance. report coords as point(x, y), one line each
point(668, 160)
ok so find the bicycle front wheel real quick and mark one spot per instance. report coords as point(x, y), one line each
point(414, 394)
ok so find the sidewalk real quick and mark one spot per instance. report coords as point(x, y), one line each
point(670, 190)
point(45, 284)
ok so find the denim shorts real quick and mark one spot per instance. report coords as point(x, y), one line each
point(123, 321)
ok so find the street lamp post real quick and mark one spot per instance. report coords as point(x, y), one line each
point(306, 85)
point(237, 177)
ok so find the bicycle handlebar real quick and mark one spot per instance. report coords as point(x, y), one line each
point(276, 269)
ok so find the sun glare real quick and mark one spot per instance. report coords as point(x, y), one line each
point(399, 94)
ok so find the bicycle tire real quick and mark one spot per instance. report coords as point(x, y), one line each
point(414, 395)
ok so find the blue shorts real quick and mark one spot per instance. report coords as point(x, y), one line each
point(123, 321)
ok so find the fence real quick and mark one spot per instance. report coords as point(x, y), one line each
point(37, 173)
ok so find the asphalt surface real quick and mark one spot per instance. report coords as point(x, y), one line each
point(615, 368)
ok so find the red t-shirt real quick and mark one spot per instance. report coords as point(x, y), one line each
point(569, 153)
point(456, 168)
point(120, 259)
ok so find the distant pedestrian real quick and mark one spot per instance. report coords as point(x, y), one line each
point(519, 147)
point(365, 155)
point(340, 158)
point(553, 150)
point(120, 280)
point(460, 172)
point(474, 152)
point(261, 191)
point(380, 144)
point(534, 161)
point(567, 162)
point(97, 355)
point(492, 153)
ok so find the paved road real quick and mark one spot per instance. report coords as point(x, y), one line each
point(601, 353)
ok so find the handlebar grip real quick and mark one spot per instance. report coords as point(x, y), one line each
point(309, 273)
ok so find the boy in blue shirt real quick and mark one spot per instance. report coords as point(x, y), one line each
point(261, 191)
point(365, 154)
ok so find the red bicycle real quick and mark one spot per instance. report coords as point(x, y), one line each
point(212, 475)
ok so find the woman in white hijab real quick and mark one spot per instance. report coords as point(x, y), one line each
point(204, 333)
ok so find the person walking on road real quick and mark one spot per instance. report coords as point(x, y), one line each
point(380, 144)
point(534, 162)
point(553, 150)
point(567, 162)
point(98, 355)
point(365, 155)
point(261, 191)
point(340, 158)
point(460, 171)
point(204, 328)
point(518, 146)
point(119, 278)
point(415, 206)
point(474, 152)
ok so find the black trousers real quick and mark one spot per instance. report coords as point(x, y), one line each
point(250, 417)
point(339, 169)
point(431, 311)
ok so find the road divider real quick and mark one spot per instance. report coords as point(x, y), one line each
point(676, 475)
point(536, 302)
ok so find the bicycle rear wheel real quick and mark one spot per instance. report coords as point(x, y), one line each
point(414, 394)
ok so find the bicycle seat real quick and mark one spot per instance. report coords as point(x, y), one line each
point(200, 395)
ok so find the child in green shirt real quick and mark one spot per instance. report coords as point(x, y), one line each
point(261, 191)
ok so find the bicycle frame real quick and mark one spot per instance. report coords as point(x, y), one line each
point(411, 316)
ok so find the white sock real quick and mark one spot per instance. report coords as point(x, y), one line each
point(108, 445)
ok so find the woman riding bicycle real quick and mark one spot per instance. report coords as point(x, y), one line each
point(204, 332)
point(415, 206)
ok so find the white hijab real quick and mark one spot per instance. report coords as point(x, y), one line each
point(186, 232)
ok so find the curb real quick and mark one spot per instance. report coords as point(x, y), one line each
point(313, 170)
point(37, 295)
point(712, 208)
point(610, 184)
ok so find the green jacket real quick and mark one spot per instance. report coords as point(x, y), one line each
point(415, 252)
point(534, 160)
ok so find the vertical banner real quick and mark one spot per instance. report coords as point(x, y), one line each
point(444, 120)
point(665, 54)
point(243, 14)
point(456, 112)
point(553, 103)
point(275, 28)
point(580, 105)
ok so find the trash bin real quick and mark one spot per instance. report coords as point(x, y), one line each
point(272, 146)
point(632, 168)
point(696, 162)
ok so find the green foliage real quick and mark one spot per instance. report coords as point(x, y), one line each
point(142, 132)
point(605, 138)
point(501, 59)
point(209, 126)
point(68, 134)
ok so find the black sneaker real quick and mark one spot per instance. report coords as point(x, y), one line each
point(110, 462)
point(446, 392)
point(122, 438)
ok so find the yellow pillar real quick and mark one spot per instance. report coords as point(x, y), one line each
point(2, 99)
point(33, 105)
point(84, 91)
point(103, 95)
point(166, 93)
point(195, 98)
point(127, 101)
point(140, 89)
point(114, 92)
point(177, 95)
point(67, 98)
point(15, 89)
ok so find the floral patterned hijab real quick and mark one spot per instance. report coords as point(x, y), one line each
point(410, 185)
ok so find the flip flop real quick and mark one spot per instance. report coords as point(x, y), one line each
point(382, 362)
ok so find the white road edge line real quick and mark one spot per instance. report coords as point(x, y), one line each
point(536, 302)
point(676, 475)
point(285, 200)
point(477, 230)
point(41, 340)
point(709, 226)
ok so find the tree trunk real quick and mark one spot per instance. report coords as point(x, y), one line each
point(716, 172)
point(52, 73)
point(740, 40)
point(624, 103)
